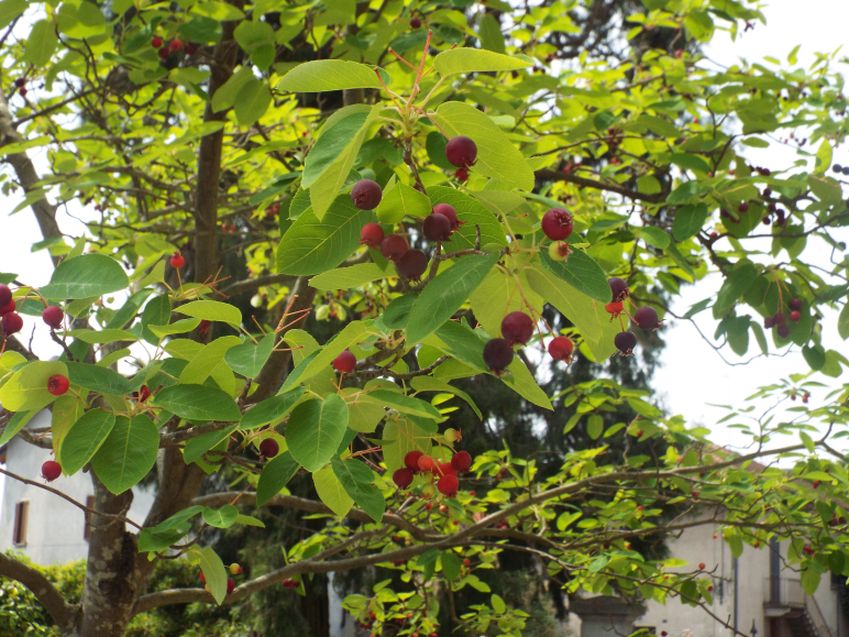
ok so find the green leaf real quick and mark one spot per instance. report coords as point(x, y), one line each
point(17, 422)
point(811, 578)
point(315, 430)
point(498, 158)
point(206, 361)
point(11, 9)
point(84, 438)
point(156, 312)
point(212, 311)
point(252, 100)
point(213, 572)
point(127, 454)
point(331, 158)
point(814, 356)
point(199, 445)
point(401, 437)
point(26, 389)
point(358, 481)
point(248, 358)
point(331, 492)
point(85, 276)
point(197, 402)
point(275, 475)
point(823, 157)
point(316, 76)
point(736, 284)
point(97, 378)
point(227, 93)
point(312, 245)
point(652, 236)
point(169, 531)
point(587, 314)
point(399, 201)
point(451, 565)
point(688, 221)
point(843, 322)
point(271, 410)
point(581, 272)
point(404, 404)
point(353, 276)
point(445, 294)
point(466, 60)
point(489, 33)
point(221, 518)
point(41, 43)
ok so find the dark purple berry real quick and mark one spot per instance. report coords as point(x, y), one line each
point(403, 478)
point(269, 448)
point(436, 227)
point(795, 304)
point(447, 210)
point(394, 247)
point(366, 194)
point(618, 288)
point(517, 328)
point(415, 23)
point(784, 330)
point(412, 265)
point(646, 318)
point(557, 224)
point(625, 342)
point(461, 151)
point(497, 354)
point(744, 207)
point(5, 295)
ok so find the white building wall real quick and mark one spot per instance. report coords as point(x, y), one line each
point(55, 526)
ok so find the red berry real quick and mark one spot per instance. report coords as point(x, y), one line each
point(12, 322)
point(177, 261)
point(394, 247)
point(175, 46)
point(403, 478)
point(497, 354)
point(467, 562)
point(191, 47)
point(415, 23)
point(426, 464)
point(447, 210)
point(614, 308)
point(345, 363)
point(231, 585)
point(560, 348)
point(156, 42)
point(50, 470)
point(412, 265)
point(53, 316)
point(462, 175)
point(22, 91)
point(202, 578)
point(625, 342)
point(163, 53)
point(557, 224)
point(290, 583)
point(411, 460)
point(701, 566)
point(618, 288)
point(795, 315)
point(436, 227)
point(58, 384)
point(517, 328)
point(448, 485)
point(371, 235)
point(9, 307)
point(143, 393)
point(366, 194)
point(461, 151)
point(269, 448)
point(646, 318)
point(5, 294)
point(461, 461)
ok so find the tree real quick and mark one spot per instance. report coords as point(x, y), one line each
point(227, 151)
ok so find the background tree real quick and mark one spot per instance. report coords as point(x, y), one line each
point(223, 152)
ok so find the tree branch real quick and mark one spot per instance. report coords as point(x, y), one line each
point(60, 611)
point(551, 175)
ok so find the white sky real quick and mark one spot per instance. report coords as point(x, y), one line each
point(692, 375)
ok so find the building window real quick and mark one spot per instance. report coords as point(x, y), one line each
point(19, 531)
point(89, 503)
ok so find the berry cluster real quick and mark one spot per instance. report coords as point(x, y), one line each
point(517, 328)
point(437, 227)
point(779, 319)
point(645, 317)
point(837, 168)
point(416, 462)
point(172, 51)
point(10, 320)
